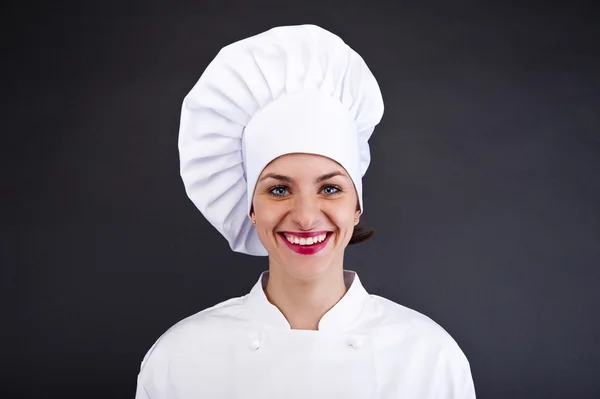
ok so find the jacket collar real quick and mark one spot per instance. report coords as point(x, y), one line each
point(340, 318)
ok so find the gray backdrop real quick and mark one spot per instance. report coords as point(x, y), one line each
point(484, 185)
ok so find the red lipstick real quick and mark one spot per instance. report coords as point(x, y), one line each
point(307, 249)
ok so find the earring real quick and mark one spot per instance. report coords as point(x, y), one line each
point(253, 221)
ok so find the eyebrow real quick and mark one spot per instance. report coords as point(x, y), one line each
point(287, 179)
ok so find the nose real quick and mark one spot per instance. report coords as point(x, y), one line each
point(305, 213)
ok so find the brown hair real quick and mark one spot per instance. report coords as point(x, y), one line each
point(361, 233)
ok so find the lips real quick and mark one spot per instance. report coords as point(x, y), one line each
point(306, 249)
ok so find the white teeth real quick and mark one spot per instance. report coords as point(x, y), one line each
point(306, 241)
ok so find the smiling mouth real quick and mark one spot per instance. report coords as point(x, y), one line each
point(305, 241)
point(310, 244)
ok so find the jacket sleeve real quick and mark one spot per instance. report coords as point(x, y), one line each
point(140, 392)
point(152, 380)
point(462, 380)
point(467, 386)
point(454, 379)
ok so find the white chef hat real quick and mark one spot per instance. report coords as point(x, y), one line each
point(292, 89)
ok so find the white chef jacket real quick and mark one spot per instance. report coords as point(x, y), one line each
point(366, 347)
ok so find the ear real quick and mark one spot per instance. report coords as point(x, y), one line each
point(356, 217)
point(252, 214)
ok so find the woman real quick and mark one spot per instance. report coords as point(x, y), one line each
point(273, 146)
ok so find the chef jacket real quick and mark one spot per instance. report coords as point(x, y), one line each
point(366, 347)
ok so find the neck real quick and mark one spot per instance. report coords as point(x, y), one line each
point(304, 302)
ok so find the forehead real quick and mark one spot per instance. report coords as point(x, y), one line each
point(302, 162)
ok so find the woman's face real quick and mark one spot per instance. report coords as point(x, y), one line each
point(305, 207)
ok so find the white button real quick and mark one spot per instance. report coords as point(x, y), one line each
point(254, 345)
point(357, 343)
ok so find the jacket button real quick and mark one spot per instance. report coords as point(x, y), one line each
point(357, 343)
point(254, 345)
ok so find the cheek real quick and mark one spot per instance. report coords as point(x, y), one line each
point(342, 215)
point(267, 213)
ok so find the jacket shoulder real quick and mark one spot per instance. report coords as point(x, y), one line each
point(195, 328)
point(401, 322)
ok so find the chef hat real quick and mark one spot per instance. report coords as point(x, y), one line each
point(292, 89)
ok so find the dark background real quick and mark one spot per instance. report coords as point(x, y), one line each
point(484, 186)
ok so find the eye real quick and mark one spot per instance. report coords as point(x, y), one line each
point(278, 191)
point(330, 190)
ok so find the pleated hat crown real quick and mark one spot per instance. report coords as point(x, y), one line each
point(291, 89)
